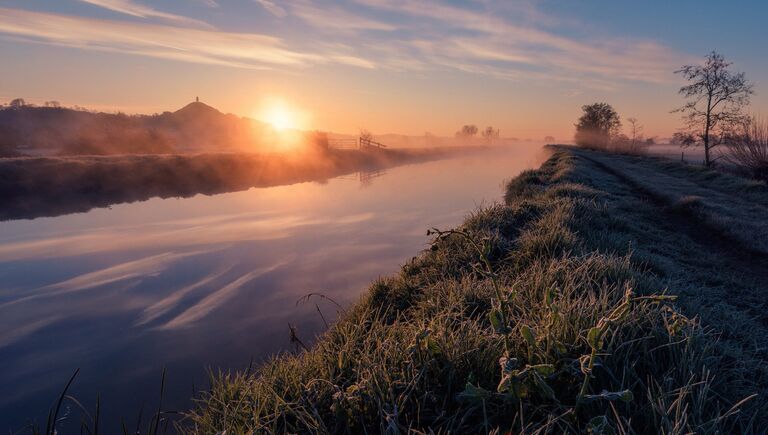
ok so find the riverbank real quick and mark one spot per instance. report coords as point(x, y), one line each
point(32, 187)
point(598, 296)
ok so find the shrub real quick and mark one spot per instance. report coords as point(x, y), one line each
point(750, 149)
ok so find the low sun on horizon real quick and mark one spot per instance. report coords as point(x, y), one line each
point(282, 116)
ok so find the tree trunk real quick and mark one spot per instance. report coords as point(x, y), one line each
point(707, 162)
point(707, 127)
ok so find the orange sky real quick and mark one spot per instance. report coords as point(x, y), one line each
point(391, 66)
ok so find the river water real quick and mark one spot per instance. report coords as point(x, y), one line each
point(208, 282)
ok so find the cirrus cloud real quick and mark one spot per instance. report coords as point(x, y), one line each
point(241, 50)
point(129, 7)
point(272, 8)
point(478, 38)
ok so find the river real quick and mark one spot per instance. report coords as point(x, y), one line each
point(208, 282)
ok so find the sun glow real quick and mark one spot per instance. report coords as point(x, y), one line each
point(282, 116)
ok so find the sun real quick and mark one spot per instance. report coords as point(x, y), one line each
point(281, 116)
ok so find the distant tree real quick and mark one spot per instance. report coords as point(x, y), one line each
point(489, 134)
point(631, 143)
point(678, 138)
point(597, 126)
point(467, 131)
point(366, 135)
point(650, 141)
point(53, 104)
point(635, 131)
point(549, 139)
point(17, 103)
point(716, 97)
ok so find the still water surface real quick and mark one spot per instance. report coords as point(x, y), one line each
point(208, 281)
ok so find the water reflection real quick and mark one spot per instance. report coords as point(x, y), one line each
point(38, 187)
point(209, 281)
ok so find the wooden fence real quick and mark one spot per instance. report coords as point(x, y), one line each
point(370, 143)
point(356, 143)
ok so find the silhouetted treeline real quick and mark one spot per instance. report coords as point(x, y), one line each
point(53, 130)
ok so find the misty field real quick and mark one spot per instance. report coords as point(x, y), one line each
point(606, 294)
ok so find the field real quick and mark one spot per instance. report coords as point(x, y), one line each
point(605, 294)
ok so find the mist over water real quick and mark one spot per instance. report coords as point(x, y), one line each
point(34, 187)
point(209, 281)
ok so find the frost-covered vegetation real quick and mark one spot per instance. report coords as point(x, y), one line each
point(716, 202)
point(591, 300)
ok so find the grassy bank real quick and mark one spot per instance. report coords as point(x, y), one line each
point(552, 312)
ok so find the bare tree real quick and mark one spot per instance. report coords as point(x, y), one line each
point(489, 134)
point(749, 149)
point(634, 143)
point(467, 131)
point(635, 131)
point(17, 103)
point(716, 97)
point(597, 126)
point(365, 135)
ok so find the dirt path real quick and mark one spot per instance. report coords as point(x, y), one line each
point(740, 219)
point(719, 277)
point(698, 177)
point(701, 231)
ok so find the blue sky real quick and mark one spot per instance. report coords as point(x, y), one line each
point(406, 66)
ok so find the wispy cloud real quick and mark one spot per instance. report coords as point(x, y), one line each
point(140, 268)
point(336, 19)
point(272, 8)
point(219, 231)
point(166, 304)
point(131, 270)
point(217, 298)
point(511, 42)
point(480, 38)
point(242, 50)
point(132, 8)
point(14, 333)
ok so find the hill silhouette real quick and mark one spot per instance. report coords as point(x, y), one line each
point(196, 127)
point(196, 109)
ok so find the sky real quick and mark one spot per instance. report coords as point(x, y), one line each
point(389, 66)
